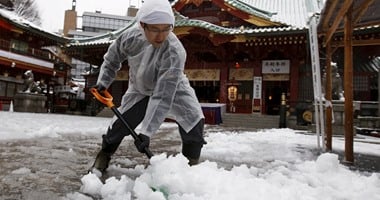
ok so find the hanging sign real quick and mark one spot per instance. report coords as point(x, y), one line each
point(275, 66)
point(257, 85)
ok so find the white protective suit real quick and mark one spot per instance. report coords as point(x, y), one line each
point(155, 72)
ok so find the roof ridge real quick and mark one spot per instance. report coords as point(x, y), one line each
point(111, 35)
point(245, 6)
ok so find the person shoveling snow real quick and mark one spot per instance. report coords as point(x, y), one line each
point(157, 89)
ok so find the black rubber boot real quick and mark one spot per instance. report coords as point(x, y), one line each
point(103, 158)
point(102, 161)
point(192, 152)
point(193, 161)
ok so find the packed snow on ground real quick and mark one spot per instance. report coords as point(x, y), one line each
point(265, 164)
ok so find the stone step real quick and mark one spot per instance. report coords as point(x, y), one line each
point(250, 120)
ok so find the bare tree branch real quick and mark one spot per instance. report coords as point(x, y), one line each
point(28, 10)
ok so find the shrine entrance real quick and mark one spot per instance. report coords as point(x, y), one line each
point(272, 94)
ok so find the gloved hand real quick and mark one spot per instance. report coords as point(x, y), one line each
point(100, 88)
point(142, 143)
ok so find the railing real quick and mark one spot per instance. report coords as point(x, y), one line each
point(37, 53)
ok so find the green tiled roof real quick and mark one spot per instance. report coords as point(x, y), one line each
point(230, 31)
point(109, 37)
point(293, 14)
point(105, 38)
point(241, 5)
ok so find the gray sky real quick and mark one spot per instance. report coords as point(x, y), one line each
point(52, 11)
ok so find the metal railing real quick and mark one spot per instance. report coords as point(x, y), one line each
point(33, 52)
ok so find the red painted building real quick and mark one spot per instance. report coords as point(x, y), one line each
point(24, 46)
point(258, 49)
point(231, 43)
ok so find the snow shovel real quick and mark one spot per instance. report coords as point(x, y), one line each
point(107, 100)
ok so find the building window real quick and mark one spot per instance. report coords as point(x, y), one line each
point(19, 46)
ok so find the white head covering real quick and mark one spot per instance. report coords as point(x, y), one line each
point(155, 12)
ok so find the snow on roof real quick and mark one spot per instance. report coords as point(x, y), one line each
point(15, 19)
point(293, 13)
point(290, 12)
point(108, 38)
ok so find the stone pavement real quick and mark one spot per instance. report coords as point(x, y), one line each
point(50, 168)
point(363, 162)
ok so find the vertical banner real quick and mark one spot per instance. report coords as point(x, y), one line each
point(257, 85)
point(317, 85)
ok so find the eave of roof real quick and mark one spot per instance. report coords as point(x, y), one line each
point(257, 8)
point(279, 12)
point(25, 25)
point(232, 31)
point(244, 7)
point(105, 38)
point(108, 38)
point(241, 5)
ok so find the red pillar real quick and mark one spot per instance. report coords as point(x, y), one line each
point(223, 83)
point(348, 88)
point(294, 76)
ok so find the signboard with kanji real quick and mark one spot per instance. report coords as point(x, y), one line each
point(257, 84)
point(275, 66)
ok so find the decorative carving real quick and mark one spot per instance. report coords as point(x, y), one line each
point(241, 74)
point(203, 74)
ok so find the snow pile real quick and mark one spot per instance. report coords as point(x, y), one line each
point(260, 165)
point(16, 125)
point(171, 178)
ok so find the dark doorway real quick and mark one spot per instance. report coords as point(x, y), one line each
point(273, 92)
point(206, 91)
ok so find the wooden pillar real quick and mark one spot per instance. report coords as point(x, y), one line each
point(328, 96)
point(293, 86)
point(348, 88)
point(223, 83)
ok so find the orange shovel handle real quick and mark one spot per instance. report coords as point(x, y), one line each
point(106, 99)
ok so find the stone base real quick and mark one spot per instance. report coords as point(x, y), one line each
point(29, 102)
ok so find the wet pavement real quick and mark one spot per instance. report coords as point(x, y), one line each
point(50, 168)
